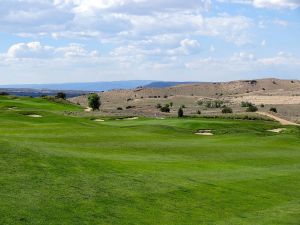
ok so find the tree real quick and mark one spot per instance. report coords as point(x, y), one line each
point(94, 101)
point(226, 110)
point(180, 112)
point(61, 95)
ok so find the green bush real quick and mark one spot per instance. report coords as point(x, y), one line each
point(246, 104)
point(252, 108)
point(61, 95)
point(273, 109)
point(226, 110)
point(158, 106)
point(165, 108)
point(180, 112)
point(94, 101)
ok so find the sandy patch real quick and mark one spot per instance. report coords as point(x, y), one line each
point(88, 109)
point(99, 120)
point(204, 133)
point(280, 120)
point(270, 100)
point(278, 130)
point(132, 118)
point(35, 116)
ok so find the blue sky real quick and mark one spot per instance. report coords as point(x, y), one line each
point(53, 41)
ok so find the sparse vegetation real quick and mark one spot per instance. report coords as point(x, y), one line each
point(120, 108)
point(214, 104)
point(226, 110)
point(158, 106)
point(246, 104)
point(252, 108)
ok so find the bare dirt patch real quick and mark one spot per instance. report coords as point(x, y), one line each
point(280, 120)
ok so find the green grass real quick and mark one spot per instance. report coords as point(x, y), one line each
point(62, 169)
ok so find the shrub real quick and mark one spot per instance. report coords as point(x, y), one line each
point(262, 105)
point(171, 104)
point(129, 99)
point(252, 108)
point(273, 109)
point(61, 95)
point(165, 108)
point(200, 102)
point(94, 101)
point(165, 96)
point(129, 107)
point(158, 106)
point(3, 93)
point(226, 110)
point(198, 112)
point(180, 112)
point(119, 108)
point(183, 106)
point(214, 104)
point(246, 104)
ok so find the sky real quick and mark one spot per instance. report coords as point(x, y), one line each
point(55, 41)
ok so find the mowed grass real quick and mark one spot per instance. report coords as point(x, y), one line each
point(61, 169)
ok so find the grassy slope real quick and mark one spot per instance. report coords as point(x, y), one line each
point(65, 170)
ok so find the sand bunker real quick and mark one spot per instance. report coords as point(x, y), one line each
point(132, 118)
point(35, 116)
point(12, 108)
point(88, 109)
point(99, 120)
point(278, 130)
point(204, 133)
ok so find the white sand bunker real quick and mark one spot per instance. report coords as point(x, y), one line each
point(88, 109)
point(132, 118)
point(35, 116)
point(278, 130)
point(204, 133)
point(99, 120)
point(12, 108)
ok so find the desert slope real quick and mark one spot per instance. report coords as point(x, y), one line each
point(284, 94)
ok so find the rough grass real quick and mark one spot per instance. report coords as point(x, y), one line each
point(60, 169)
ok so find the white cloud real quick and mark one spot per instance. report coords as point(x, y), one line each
point(272, 4)
point(277, 4)
point(35, 50)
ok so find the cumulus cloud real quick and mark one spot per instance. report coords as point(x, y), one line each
point(35, 50)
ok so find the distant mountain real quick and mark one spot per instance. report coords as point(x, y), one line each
point(164, 84)
point(88, 86)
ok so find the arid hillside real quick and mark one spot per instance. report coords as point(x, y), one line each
point(264, 93)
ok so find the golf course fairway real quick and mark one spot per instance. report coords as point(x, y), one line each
point(59, 168)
